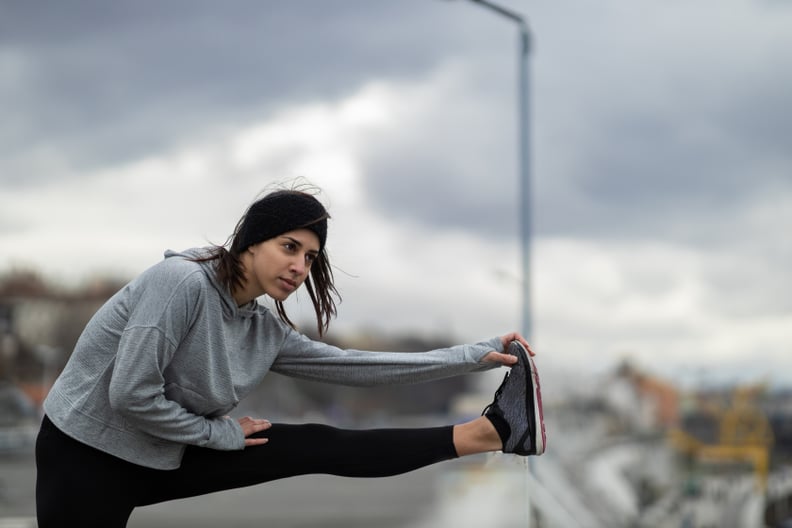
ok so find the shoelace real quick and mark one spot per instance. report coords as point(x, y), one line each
point(497, 394)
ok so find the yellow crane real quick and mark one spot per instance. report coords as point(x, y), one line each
point(744, 434)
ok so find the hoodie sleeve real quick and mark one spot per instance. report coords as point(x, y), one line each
point(302, 357)
point(161, 316)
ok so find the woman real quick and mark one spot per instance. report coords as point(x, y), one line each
point(140, 414)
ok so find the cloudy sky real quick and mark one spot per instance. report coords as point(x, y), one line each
point(661, 157)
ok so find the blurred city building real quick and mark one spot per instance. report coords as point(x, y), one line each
point(39, 325)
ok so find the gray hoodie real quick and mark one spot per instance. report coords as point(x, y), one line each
point(169, 356)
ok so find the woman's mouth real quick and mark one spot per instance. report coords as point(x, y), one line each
point(290, 284)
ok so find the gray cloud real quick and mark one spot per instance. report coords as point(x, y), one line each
point(658, 133)
point(632, 138)
point(99, 83)
point(655, 174)
point(670, 136)
point(454, 165)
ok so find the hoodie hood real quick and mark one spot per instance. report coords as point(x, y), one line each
point(208, 267)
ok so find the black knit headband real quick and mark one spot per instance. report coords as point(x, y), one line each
point(280, 212)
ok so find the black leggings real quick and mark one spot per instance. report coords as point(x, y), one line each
point(78, 485)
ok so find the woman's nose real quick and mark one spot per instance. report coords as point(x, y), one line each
point(298, 265)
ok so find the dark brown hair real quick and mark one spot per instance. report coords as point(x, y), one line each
point(321, 289)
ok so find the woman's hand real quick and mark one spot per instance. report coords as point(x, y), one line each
point(515, 336)
point(507, 359)
point(251, 426)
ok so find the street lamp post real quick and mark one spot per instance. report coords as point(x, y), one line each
point(524, 158)
point(524, 177)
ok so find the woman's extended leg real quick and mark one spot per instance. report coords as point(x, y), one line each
point(308, 449)
point(78, 485)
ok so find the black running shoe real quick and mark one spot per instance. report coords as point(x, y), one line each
point(516, 411)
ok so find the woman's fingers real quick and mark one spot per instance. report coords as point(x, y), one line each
point(252, 426)
point(255, 441)
point(500, 357)
point(516, 336)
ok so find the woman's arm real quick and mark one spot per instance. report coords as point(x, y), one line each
point(304, 358)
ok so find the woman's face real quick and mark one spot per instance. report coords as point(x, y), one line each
point(281, 264)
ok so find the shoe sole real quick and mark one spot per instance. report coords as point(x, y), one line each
point(533, 399)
